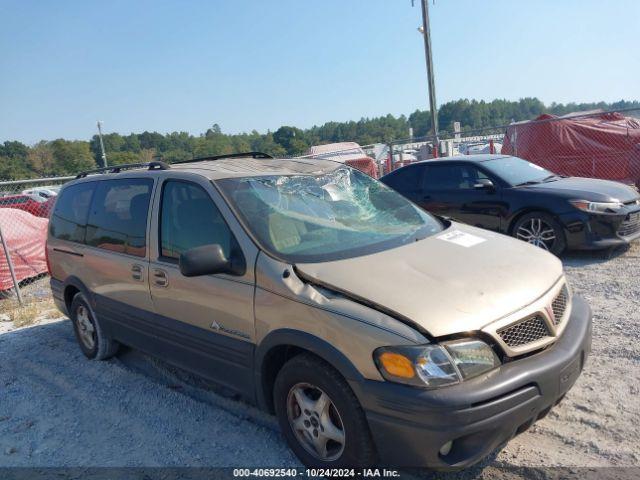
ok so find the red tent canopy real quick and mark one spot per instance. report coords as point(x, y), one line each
point(25, 236)
point(603, 145)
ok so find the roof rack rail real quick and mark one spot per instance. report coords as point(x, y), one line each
point(230, 155)
point(155, 165)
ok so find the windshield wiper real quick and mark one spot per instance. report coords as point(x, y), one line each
point(529, 182)
point(551, 178)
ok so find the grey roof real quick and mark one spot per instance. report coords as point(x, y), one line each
point(250, 167)
point(480, 157)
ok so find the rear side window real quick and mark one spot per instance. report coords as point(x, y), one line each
point(69, 218)
point(118, 216)
point(189, 218)
point(407, 179)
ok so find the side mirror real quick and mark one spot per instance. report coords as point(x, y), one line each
point(484, 184)
point(209, 260)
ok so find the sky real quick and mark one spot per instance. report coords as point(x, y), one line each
point(258, 64)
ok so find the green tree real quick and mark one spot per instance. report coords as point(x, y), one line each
point(292, 139)
point(72, 157)
point(40, 159)
point(121, 158)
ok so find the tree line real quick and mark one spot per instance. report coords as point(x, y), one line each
point(66, 157)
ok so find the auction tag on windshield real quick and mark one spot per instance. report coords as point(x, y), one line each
point(461, 238)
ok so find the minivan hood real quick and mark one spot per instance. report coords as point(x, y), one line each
point(443, 286)
point(591, 189)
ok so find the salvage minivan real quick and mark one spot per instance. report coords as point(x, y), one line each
point(377, 333)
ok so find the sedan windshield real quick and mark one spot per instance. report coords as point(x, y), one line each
point(335, 215)
point(516, 171)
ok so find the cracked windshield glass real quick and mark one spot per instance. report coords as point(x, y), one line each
point(335, 215)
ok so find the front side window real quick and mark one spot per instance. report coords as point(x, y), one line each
point(189, 218)
point(69, 217)
point(118, 217)
point(452, 177)
point(329, 216)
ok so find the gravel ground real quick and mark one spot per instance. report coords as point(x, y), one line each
point(59, 410)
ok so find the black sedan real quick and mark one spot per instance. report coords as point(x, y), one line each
point(512, 196)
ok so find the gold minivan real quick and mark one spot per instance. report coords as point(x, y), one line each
point(377, 333)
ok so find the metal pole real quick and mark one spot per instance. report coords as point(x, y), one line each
point(11, 270)
point(426, 34)
point(104, 155)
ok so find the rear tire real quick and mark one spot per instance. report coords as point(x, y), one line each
point(320, 416)
point(542, 230)
point(94, 343)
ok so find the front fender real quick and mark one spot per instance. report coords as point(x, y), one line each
point(304, 341)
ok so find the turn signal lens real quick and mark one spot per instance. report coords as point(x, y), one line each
point(397, 365)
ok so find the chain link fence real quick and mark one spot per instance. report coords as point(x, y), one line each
point(25, 206)
point(594, 144)
point(589, 144)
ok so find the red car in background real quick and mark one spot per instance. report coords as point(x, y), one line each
point(34, 204)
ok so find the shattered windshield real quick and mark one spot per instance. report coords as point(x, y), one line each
point(335, 215)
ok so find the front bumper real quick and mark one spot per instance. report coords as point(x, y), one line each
point(586, 231)
point(410, 425)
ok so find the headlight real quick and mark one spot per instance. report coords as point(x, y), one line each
point(437, 365)
point(605, 208)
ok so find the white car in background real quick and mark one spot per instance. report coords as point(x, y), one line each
point(44, 192)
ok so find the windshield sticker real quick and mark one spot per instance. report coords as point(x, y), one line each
point(461, 238)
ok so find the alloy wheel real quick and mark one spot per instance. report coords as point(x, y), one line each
point(86, 329)
point(315, 421)
point(537, 232)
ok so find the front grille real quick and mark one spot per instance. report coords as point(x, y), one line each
point(630, 226)
point(559, 305)
point(527, 331)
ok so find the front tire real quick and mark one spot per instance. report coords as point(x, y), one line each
point(320, 416)
point(94, 343)
point(542, 230)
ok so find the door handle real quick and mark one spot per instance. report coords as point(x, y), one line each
point(426, 197)
point(137, 272)
point(160, 278)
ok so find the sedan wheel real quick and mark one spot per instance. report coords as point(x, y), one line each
point(537, 232)
point(542, 230)
point(316, 422)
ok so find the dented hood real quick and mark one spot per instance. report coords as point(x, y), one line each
point(458, 280)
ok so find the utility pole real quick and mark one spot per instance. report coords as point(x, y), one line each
point(104, 155)
point(426, 34)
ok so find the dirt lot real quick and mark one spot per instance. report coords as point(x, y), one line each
point(57, 409)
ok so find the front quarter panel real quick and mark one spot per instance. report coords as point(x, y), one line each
point(522, 200)
point(286, 303)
